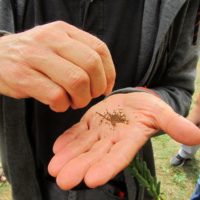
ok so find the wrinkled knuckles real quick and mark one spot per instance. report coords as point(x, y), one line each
point(59, 25)
point(78, 80)
point(29, 53)
point(95, 66)
point(101, 48)
point(93, 61)
point(21, 78)
point(41, 34)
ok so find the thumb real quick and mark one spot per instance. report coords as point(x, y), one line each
point(179, 128)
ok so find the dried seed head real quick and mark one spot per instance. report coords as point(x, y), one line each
point(114, 117)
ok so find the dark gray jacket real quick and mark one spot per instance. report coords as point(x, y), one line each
point(174, 60)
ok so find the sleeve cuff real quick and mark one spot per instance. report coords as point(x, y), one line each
point(3, 33)
point(135, 89)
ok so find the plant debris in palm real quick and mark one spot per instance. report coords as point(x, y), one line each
point(114, 117)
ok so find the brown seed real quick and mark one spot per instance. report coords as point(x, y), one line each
point(114, 117)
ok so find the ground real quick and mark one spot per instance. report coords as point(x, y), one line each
point(5, 192)
point(176, 183)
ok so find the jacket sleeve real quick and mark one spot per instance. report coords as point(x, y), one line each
point(177, 84)
point(7, 21)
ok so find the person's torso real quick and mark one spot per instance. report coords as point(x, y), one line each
point(118, 24)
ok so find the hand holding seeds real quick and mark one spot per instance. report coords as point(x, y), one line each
point(109, 136)
point(57, 64)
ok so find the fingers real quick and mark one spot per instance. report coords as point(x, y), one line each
point(78, 146)
point(98, 46)
point(72, 78)
point(103, 51)
point(25, 82)
point(68, 136)
point(163, 117)
point(8, 91)
point(87, 59)
point(78, 64)
point(74, 171)
point(112, 163)
point(180, 129)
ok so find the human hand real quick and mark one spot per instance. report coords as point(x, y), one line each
point(194, 115)
point(57, 64)
point(109, 136)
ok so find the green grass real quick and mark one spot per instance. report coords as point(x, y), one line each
point(5, 192)
point(177, 183)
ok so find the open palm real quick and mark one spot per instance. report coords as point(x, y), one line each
point(110, 134)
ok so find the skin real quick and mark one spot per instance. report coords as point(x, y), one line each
point(62, 66)
point(57, 64)
point(94, 151)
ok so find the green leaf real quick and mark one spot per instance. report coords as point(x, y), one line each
point(158, 187)
point(140, 171)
